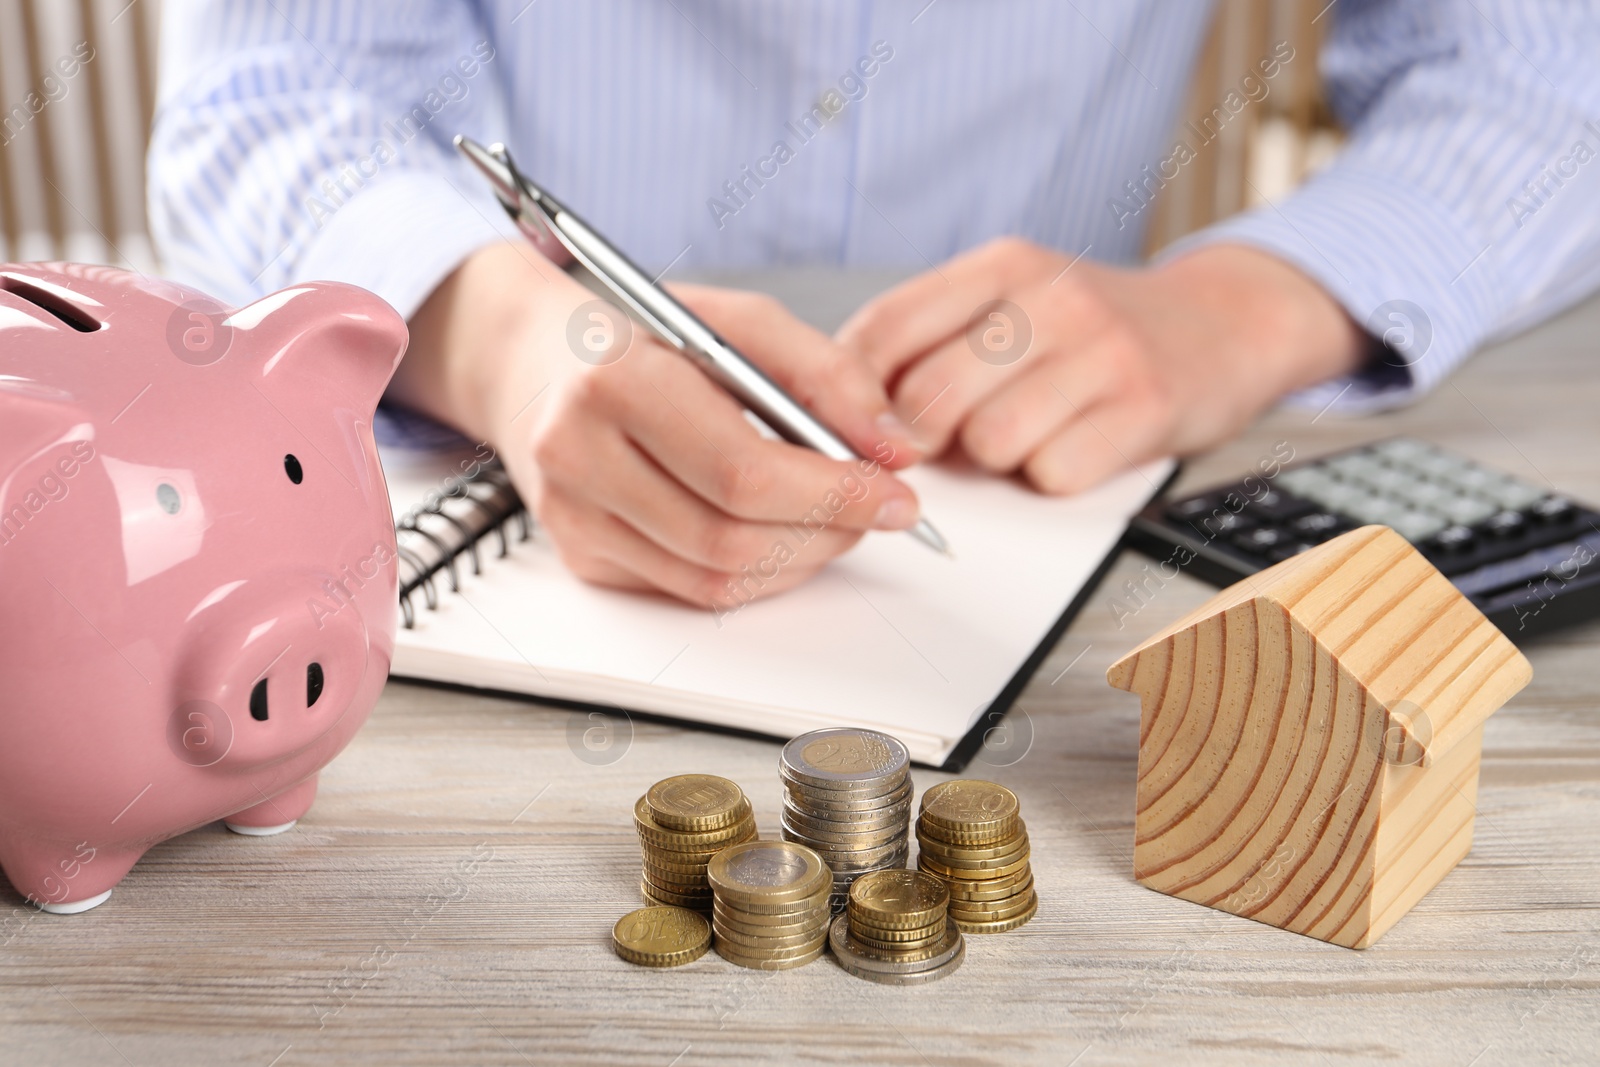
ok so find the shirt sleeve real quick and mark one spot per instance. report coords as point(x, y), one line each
point(1466, 204)
point(305, 139)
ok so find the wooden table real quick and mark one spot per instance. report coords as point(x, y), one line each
point(451, 895)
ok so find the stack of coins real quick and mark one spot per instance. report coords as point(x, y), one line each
point(771, 909)
point(683, 821)
point(661, 936)
point(973, 837)
point(847, 794)
point(895, 930)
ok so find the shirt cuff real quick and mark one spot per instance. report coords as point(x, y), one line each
point(1399, 263)
point(401, 237)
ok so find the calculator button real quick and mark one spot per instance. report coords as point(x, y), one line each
point(1277, 506)
point(1304, 480)
point(1552, 509)
point(1455, 539)
point(1374, 509)
point(1417, 526)
point(1341, 496)
point(1224, 522)
point(1401, 450)
point(1505, 524)
point(1466, 510)
point(1514, 494)
point(1260, 540)
point(1430, 495)
point(1193, 508)
point(1317, 526)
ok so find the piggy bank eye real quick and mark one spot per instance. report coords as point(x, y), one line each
point(291, 467)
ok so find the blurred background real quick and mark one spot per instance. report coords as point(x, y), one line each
point(72, 147)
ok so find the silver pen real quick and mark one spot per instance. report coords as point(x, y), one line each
point(569, 243)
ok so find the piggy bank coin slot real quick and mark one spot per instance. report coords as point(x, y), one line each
point(50, 303)
point(313, 683)
point(291, 467)
point(258, 701)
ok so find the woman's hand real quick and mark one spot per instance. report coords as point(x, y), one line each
point(1070, 372)
point(644, 473)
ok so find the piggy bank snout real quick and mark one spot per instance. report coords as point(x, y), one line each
point(263, 678)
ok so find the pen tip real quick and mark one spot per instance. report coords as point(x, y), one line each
point(923, 531)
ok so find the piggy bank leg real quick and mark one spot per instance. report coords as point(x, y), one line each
point(65, 879)
point(276, 815)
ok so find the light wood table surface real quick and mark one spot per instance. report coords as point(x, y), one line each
point(449, 899)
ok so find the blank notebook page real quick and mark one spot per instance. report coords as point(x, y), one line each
point(892, 635)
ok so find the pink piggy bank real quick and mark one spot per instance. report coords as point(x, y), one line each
point(197, 562)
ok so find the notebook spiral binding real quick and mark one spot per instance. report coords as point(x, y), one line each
point(450, 524)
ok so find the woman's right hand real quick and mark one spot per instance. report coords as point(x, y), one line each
point(644, 473)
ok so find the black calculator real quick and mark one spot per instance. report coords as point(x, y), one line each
point(1524, 555)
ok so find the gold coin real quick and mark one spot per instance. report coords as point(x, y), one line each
point(995, 855)
point(675, 883)
point(897, 898)
point(987, 910)
point(945, 870)
point(870, 937)
point(665, 837)
point(695, 802)
point(962, 893)
point(661, 936)
point(669, 861)
point(656, 895)
point(767, 873)
point(971, 926)
point(801, 924)
point(968, 811)
point(760, 962)
point(894, 933)
point(761, 943)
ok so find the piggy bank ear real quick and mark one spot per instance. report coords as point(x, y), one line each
point(324, 353)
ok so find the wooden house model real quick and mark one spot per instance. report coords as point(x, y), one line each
point(1310, 737)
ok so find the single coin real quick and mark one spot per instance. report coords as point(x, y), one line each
point(996, 855)
point(661, 936)
point(892, 941)
point(843, 757)
point(803, 922)
point(993, 909)
point(835, 800)
point(725, 946)
point(857, 859)
point(879, 794)
point(878, 966)
point(962, 893)
point(845, 841)
point(673, 861)
point(898, 899)
point(929, 863)
point(767, 872)
point(677, 883)
point(970, 808)
point(683, 841)
point(780, 909)
point(748, 942)
point(849, 822)
point(695, 802)
point(656, 895)
point(972, 926)
point(758, 963)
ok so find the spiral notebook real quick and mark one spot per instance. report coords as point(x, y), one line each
point(892, 635)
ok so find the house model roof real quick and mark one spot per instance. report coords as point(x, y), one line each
point(1396, 626)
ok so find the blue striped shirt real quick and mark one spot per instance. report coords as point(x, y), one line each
point(297, 139)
